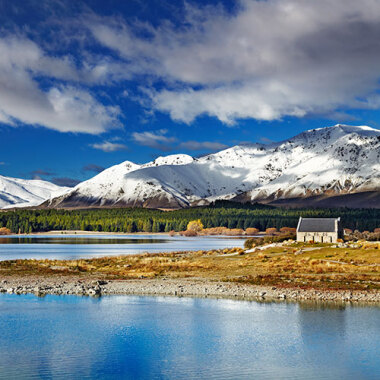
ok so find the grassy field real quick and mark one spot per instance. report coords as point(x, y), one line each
point(287, 265)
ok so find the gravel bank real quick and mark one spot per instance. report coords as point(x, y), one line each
point(180, 287)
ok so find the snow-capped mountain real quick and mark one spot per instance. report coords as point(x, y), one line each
point(16, 192)
point(323, 162)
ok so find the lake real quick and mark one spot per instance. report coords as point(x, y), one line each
point(69, 247)
point(133, 337)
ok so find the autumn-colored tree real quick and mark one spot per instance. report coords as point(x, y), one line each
point(235, 232)
point(195, 225)
point(188, 233)
point(214, 231)
point(288, 230)
point(251, 231)
point(271, 231)
point(5, 231)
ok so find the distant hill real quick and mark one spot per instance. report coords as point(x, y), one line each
point(15, 192)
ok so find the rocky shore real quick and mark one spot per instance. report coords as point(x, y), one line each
point(180, 287)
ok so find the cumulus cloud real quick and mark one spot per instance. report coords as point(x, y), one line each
point(60, 106)
point(263, 60)
point(266, 60)
point(109, 146)
point(154, 139)
point(203, 145)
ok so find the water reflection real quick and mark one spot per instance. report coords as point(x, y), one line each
point(173, 338)
point(79, 240)
point(325, 336)
point(88, 246)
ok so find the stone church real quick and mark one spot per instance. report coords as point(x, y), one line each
point(319, 230)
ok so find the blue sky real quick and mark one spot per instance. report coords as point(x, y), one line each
point(88, 84)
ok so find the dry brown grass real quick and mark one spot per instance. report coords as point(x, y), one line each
point(5, 231)
point(325, 267)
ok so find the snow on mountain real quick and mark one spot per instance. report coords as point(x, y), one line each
point(330, 161)
point(16, 192)
point(336, 160)
point(174, 159)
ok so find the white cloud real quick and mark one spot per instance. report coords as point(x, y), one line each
point(62, 107)
point(266, 60)
point(154, 139)
point(108, 146)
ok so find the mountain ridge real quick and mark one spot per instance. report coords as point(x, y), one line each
point(327, 161)
point(16, 192)
point(312, 168)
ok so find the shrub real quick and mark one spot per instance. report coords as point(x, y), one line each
point(188, 233)
point(5, 231)
point(356, 235)
point(375, 236)
point(252, 231)
point(288, 230)
point(195, 225)
point(214, 231)
point(251, 243)
point(271, 231)
point(277, 239)
point(234, 232)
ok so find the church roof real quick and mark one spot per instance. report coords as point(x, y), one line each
point(318, 225)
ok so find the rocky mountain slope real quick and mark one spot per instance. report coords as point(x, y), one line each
point(315, 165)
point(16, 192)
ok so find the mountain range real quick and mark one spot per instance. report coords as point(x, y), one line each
point(326, 167)
point(26, 192)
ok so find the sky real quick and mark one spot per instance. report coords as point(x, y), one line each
point(85, 85)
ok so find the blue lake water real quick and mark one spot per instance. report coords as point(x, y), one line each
point(87, 246)
point(182, 338)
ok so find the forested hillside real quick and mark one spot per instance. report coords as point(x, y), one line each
point(222, 213)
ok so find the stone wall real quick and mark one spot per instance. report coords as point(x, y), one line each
point(318, 237)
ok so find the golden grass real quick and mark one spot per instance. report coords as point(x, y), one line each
point(323, 267)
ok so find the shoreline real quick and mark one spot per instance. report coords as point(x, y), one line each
point(79, 232)
point(180, 288)
point(348, 272)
